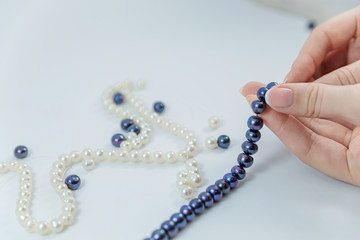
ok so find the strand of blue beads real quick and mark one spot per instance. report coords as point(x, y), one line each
point(214, 193)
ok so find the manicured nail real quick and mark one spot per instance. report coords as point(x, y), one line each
point(279, 97)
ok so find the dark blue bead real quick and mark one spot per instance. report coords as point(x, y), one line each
point(197, 206)
point(253, 135)
point(117, 139)
point(73, 182)
point(311, 25)
point(231, 179)
point(238, 172)
point(159, 234)
point(118, 98)
point(215, 192)
point(134, 128)
point(159, 107)
point(261, 93)
point(126, 123)
point(270, 85)
point(255, 123)
point(170, 228)
point(245, 160)
point(224, 186)
point(187, 212)
point(206, 198)
point(179, 219)
point(21, 152)
point(148, 239)
point(223, 141)
point(249, 148)
point(258, 106)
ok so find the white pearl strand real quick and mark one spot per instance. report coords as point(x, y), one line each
point(187, 179)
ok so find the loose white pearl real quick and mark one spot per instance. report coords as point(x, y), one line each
point(195, 180)
point(126, 145)
point(123, 156)
point(135, 156)
point(57, 225)
point(4, 168)
point(191, 163)
point(141, 84)
point(113, 155)
point(182, 175)
point(146, 156)
point(22, 218)
point(66, 159)
point(171, 157)
point(31, 225)
point(88, 164)
point(186, 192)
point(76, 156)
point(159, 157)
point(44, 228)
point(100, 155)
point(88, 153)
point(193, 170)
point(67, 219)
point(182, 156)
point(191, 150)
point(181, 183)
point(214, 122)
point(130, 136)
point(13, 166)
point(211, 143)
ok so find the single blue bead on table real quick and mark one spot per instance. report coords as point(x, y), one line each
point(126, 123)
point(159, 234)
point(73, 182)
point(118, 98)
point(253, 135)
point(179, 219)
point(21, 152)
point(249, 148)
point(170, 228)
point(223, 141)
point(238, 172)
point(197, 206)
point(255, 123)
point(270, 85)
point(258, 106)
point(261, 93)
point(215, 192)
point(159, 107)
point(187, 212)
point(117, 139)
point(245, 160)
point(206, 198)
point(134, 128)
point(231, 179)
point(224, 186)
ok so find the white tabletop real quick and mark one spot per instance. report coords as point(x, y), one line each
point(57, 57)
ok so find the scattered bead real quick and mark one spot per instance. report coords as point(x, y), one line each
point(211, 143)
point(126, 123)
point(73, 182)
point(159, 107)
point(117, 139)
point(255, 123)
point(118, 98)
point(223, 141)
point(134, 128)
point(253, 135)
point(249, 148)
point(214, 122)
point(258, 106)
point(21, 152)
point(311, 25)
point(245, 161)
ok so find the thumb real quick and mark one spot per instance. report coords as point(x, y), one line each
point(316, 100)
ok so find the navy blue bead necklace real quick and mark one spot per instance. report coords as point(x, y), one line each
point(214, 193)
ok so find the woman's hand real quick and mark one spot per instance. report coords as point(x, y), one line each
point(316, 113)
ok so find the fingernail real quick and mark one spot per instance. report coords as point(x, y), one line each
point(279, 97)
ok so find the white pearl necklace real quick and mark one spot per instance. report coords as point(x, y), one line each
point(129, 151)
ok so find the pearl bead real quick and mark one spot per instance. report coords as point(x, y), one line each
point(118, 98)
point(136, 143)
point(44, 228)
point(207, 199)
point(159, 157)
point(223, 185)
point(31, 225)
point(21, 152)
point(131, 136)
point(215, 192)
point(194, 142)
point(69, 208)
point(187, 212)
point(88, 164)
point(135, 156)
point(238, 172)
point(59, 166)
point(134, 128)
point(69, 200)
point(57, 225)
point(171, 157)
point(253, 135)
point(54, 173)
point(123, 156)
point(22, 218)
point(197, 206)
point(126, 145)
point(73, 182)
point(182, 156)
point(249, 148)
point(22, 210)
point(170, 228)
point(261, 93)
point(191, 163)
point(113, 155)
point(245, 160)
point(223, 141)
point(182, 175)
point(191, 150)
point(181, 183)
point(168, 124)
point(146, 156)
point(67, 219)
point(159, 107)
point(159, 234)
point(211, 143)
point(100, 155)
point(193, 170)
point(179, 220)
point(76, 156)
point(255, 123)
point(4, 168)
point(195, 180)
point(117, 139)
point(88, 153)
point(214, 122)
point(66, 159)
point(231, 179)
point(258, 107)
point(189, 136)
point(126, 123)
point(13, 166)
point(186, 192)
point(270, 85)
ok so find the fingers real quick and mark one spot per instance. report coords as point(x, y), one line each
point(331, 35)
point(319, 152)
point(347, 75)
point(317, 100)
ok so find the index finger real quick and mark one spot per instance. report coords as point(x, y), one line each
point(331, 35)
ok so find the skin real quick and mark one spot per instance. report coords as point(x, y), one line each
point(322, 125)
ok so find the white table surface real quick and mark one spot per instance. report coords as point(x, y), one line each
point(57, 57)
